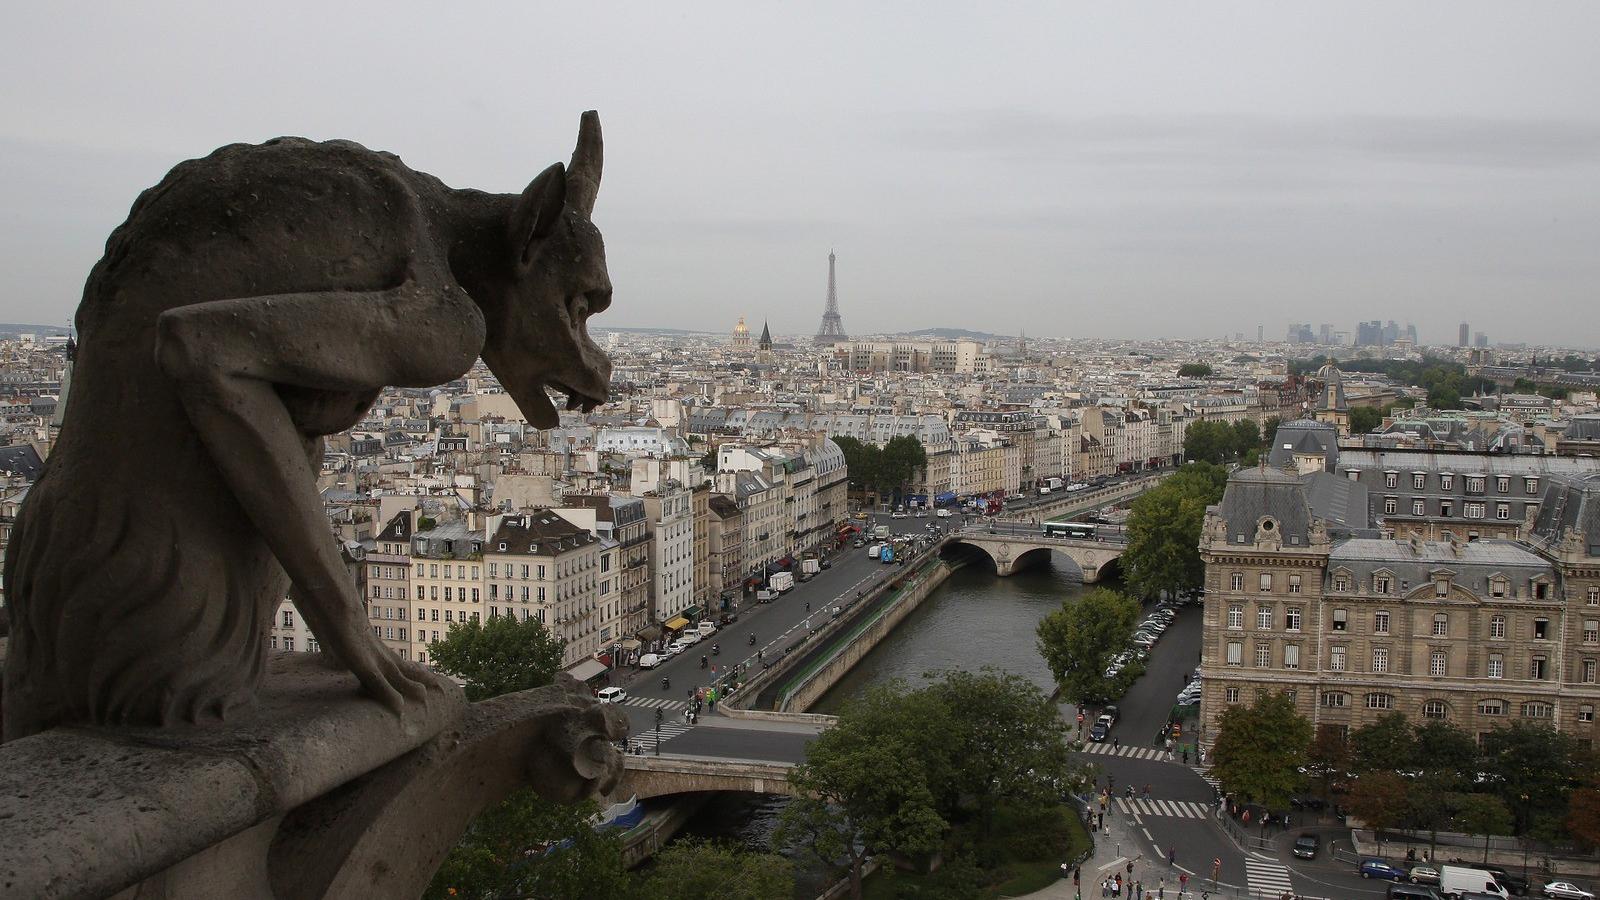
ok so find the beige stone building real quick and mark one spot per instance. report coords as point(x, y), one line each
point(540, 566)
point(447, 583)
point(386, 585)
point(1304, 595)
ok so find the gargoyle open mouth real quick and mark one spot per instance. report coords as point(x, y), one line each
point(579, 400)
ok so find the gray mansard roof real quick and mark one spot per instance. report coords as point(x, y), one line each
point(1253, 494)
point(1304, 437)
point(1413, 563)
point(1571, 504)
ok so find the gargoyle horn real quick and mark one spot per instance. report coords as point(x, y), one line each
point(583, 175)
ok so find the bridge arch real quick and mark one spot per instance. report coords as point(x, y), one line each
point(1011, 552)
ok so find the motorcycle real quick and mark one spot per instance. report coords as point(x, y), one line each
point(716, 649)
point(752, 640)
point(702, 661)
point(665, 683)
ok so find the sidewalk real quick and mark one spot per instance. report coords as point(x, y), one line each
point(1114, 846)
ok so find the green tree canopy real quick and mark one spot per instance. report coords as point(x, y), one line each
point(1386, 745)
point(1246, 436)
point(499, 655)
point(1482, 814)
point(1078, 640)
point(1163, 554)
point(1209, 441)
point(1364, 419)
point(1194, 370)
point(1380, 800)
point(1533, 769)
point(693, 870)
point(1260, 748)
point(902, 457)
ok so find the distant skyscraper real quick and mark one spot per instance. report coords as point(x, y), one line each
point(1479, 339)
point(1462, 340)
point(1261, 334)
point(832, 330)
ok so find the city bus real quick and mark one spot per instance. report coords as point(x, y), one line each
point(1068, 529)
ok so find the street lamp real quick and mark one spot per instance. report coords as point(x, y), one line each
point(658, 731)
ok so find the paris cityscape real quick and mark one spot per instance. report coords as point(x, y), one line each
point(872, 529)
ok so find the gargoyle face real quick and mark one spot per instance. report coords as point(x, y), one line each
point(560, 280)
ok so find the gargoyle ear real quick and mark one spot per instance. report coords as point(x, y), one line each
point(537, 211)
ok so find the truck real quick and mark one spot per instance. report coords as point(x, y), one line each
point(1457, 880)
point(880, 532)
point(944, 513)
point(781, 581)
point(810, 565)
point(888, 554)
point(874, 551)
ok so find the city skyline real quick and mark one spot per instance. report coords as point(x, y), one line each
point(1088, 172)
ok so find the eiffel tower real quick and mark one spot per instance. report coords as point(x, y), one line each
point(832, 330)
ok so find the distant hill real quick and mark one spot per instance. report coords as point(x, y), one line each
point(606, 328)
point(955, 334)
point(13, 330)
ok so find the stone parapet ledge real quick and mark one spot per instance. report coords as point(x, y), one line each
point(292, 798)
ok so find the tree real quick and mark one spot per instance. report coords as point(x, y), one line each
point(1379, 800)
point(1328, 759)
point(1444, 753)
point(1269, 430)
point(1483, 814)
point(1364, 419)
point(1386, 745)
point(1246, 437)
point(861, 462)
point(1163, 554)
point(1194, 370)
point(499, 655)
point(1524, 386)
point(1260, 748)
point(1583, 816)
point(1531, 768)
point(901, 459)
point(1208, 441)
point(1078, 640)
point(709, 461)
point(528, 846)
point(692, 870)
point(1444, 396)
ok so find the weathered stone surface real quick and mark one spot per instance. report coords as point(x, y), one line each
point(253, 302)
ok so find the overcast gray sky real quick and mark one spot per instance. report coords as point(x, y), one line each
point(1102, 170)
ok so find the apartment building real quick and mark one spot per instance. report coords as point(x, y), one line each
point(446, 584)
point(669, 512)
point(385, 584)
point(540, 566)
point(1305, 596)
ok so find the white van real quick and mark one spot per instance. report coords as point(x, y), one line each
point(649, 661)
point(874, 551)
point(707, 628)
point(611, 695)
point(1457, 880)
point(944, 513)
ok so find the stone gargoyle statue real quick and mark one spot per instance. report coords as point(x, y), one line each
point(253, 302)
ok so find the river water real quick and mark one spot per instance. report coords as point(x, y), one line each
point(974, 619)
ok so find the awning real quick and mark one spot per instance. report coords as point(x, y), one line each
point(675, 623)
point(631, 644)
point(650, 633)
point(587, 669)
point(692, 612)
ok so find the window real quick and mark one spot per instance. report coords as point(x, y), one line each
point(1336, 659)
point(1380, 701)
point(1441, 587)
point(449, 615)
point(1537, 667)
point(1264, 618)
point(1236, 616)
point(1380, 622)
point(1291, 619)
point(435, 615)
point(1441, 625)
point(1235, 653)
point(1294, 584)
point(288, 618)
point(1541, 629)
point(1586, 713)
point(1391, 479)
point(1380, 584)
point(1592, 597)
point(1291, 656)
point(1341, 583)
point(1502, 511)
point(1418, 481)
point(1380, 659)
point(474, 595)
point(1502, 484)
point(1588, 671)
point(1339, 619)
point(1474, 510)
point(1446, 507)
point(288, 643)
point(433, 570)
point(1236, 581)
point(1530, 486)
point(1232, 695)
point(1491, 707)
point(1537, 710)
point(1391, 505)
point(1474, 484)
point(1591, 631)
point(1434, 709)
point(1540, 590)
point(1447, 481)
point(447, 592)
point(1497, 666)
point(1418, 507)
point(1265, 582)
point(1497, 628)
point(540, 570)
point(272, 642)
point(1437, 663)
point(1497, 587)
point(1335, 700)
point(494, 570)
point(1263, 656)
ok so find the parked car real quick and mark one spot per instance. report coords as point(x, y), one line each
point(650, 660)
point(1423, 875)
point(827, 564)
point(1516, 884)
point(689, 638)
point(1306, 846)
point(706, 628)
point(1566, 890)
point(1112, 711)
point(1377, 868)
point(727, 618)
point(1101, 729)
point(1456, 880)
point(611, 695)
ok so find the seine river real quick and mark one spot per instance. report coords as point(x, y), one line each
point(974, 619)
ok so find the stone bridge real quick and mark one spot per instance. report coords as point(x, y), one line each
point(1016, 548)
point(656, 776)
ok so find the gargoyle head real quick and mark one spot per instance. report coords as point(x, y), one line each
point(559, 280)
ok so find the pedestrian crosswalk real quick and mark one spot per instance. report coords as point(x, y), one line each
point(1208, 778)
point(1266, 877)
point(1174, 809)
point(645, 738)
point(654, 703)
point(1129, 752)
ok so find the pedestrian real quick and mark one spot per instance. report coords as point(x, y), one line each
point(1172, 857)
point(1183, 883)
point(1100, 822)
point(1186, 756)
point(1077, 875)
point(1147, 792)
point(1138, 890)
point(1105, 888)
point(1285, 821)
point(1116, 743)
point(1117, 891)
